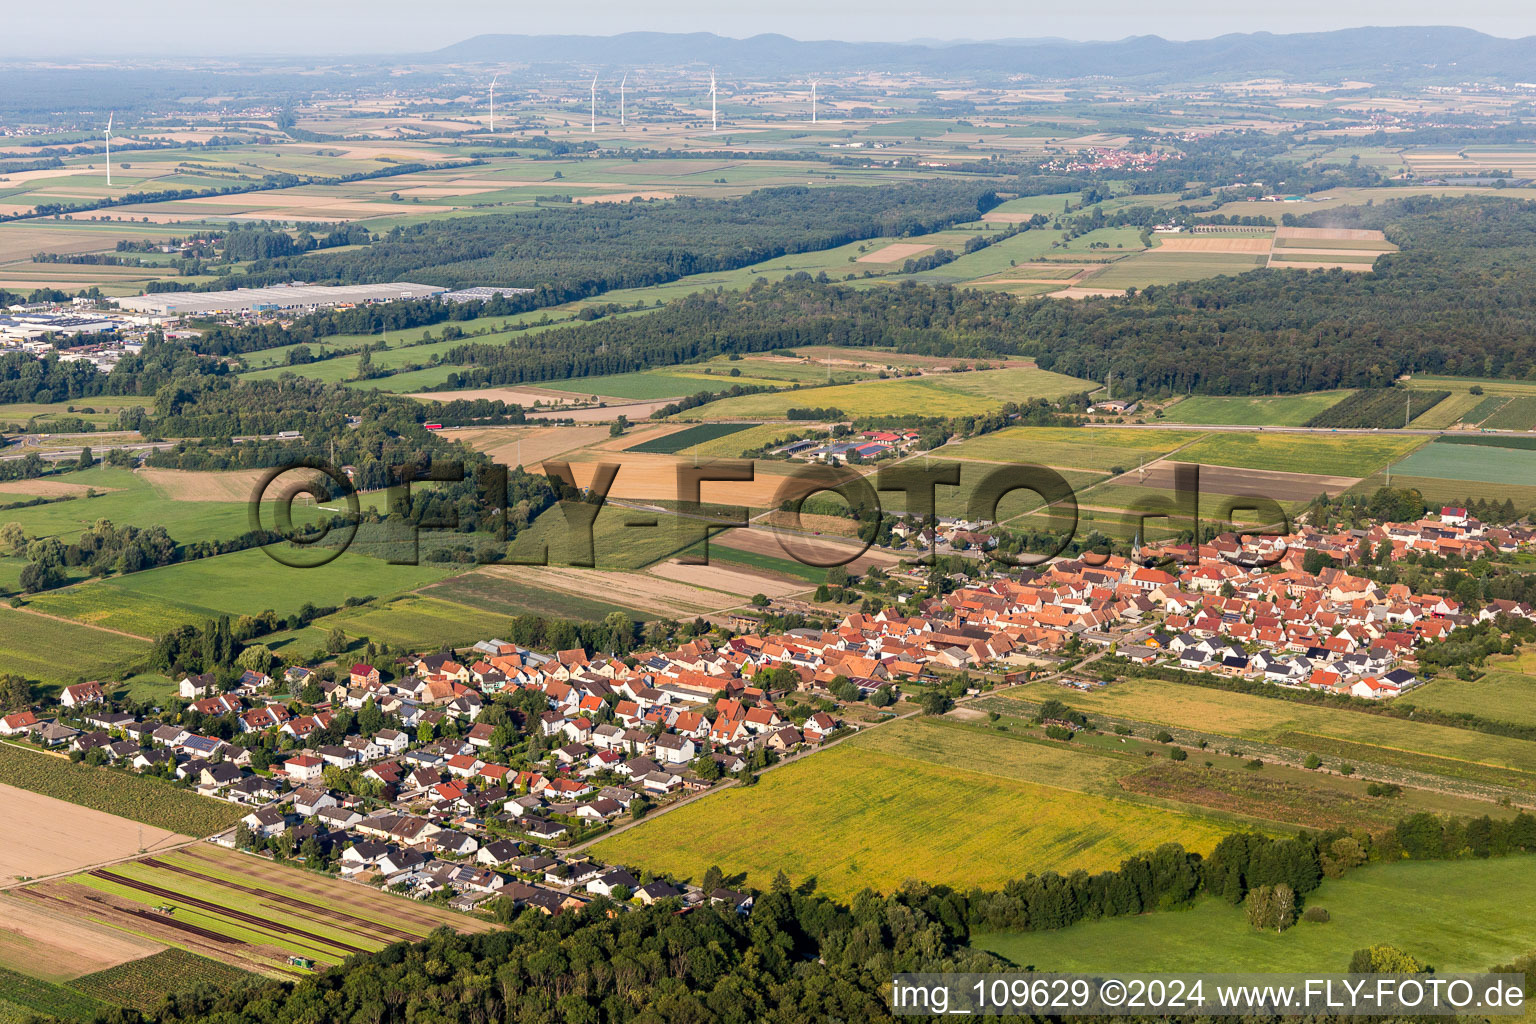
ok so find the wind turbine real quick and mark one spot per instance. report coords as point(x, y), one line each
point(714, 119)
point(813, 103)
point(493, 102)
point(594, 103)
point(109, 147)
point(622, 82)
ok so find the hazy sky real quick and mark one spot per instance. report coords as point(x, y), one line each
point(192, 27)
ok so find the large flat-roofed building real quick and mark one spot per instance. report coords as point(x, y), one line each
point(285, 296)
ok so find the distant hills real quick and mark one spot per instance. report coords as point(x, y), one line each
point(1382, 55)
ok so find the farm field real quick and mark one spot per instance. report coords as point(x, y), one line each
point(1507, 692)
point(33, 646)
point(104, 409)
point(245, 582)
point(1460, 407)
point(414, 622)
point(1264, 410)
point(1485, 463)
point(1155, 267)
point(852, 817)
point(1519, 413)
point(48, 836)
point(244, 911)
point(489, 593)
point(526, 446)
point(152, 802)
point(682, 440)
point(938, 395)
point(1349, 735)
point(1216, 482)
point(1350, 455)
point(1451, 492)
point(732, 445)
point(1089, 448)
point(658, 597)
point(1466, 915)
point(54, 949)
point(143, 984)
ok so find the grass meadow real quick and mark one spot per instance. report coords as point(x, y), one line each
point(1462, 916)
point(1350, 735)
point(1257, 411)
point(246, 582)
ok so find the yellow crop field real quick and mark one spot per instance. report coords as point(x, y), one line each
point(853, 817)
point(931, 395)
point(1098, 448)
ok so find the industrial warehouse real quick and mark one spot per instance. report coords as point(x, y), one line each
point(289, 296)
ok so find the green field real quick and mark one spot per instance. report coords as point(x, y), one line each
point(1153, 268)
point(415, 621)
point(1347, 455)
point(24, 998)
point(244, 583)
point(1519, 413)
point(855, 816)
point(57, 654)
point(1260, 411)
point(1452, 492)
point(143, 984)
point(127, 498)
point(1349, 735)
point(136, 797)
point(1090, 448)
point(267, 911)
point(933, 395)
point(1507, 692)
point(500, 597)
point(1214, 506)
point(1486, 463)
point(1464, 915)
point(671, 444)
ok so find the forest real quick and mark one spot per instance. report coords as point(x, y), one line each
point(579, 250)
point(1457, 300)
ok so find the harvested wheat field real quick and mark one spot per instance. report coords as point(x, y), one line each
point(54, 948)
point(816, 550)
point(654, 478)
point(635, 411)
point(1352, 234)
point(232, 486)
point(44, 488)
point(45, 836)
point(740, 582)
point(526, 446)
point(1198, 244)
point(895, 252)
point(667, 598)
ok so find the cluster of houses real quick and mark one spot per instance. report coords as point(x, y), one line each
point(424, 806)
point(1219, 612)
point(1095, 158)
point(440, 813)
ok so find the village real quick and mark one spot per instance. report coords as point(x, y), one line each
point(483, 773)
